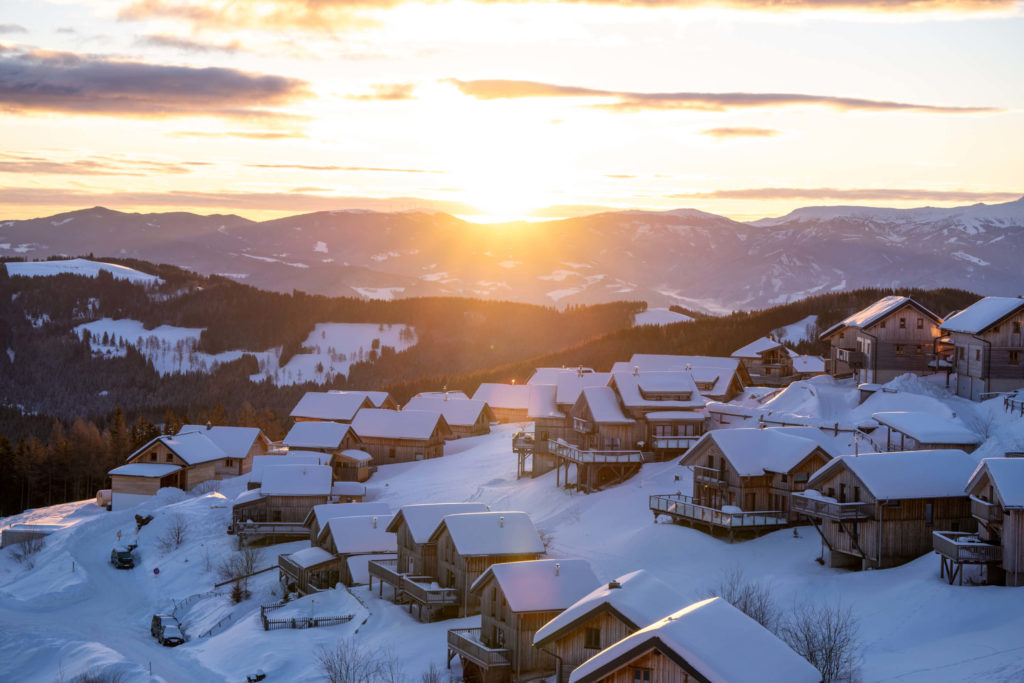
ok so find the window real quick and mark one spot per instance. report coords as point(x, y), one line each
point(901, 350)
point(977, 354)
point(276, 516)
point(920, 323)
point(892, 503)
point(592, 639)
point(903, 323)
point(882, 325)
point(960, 352)
point(170, 457)
point(919, 350)
point(229, 462)
point(152, 457)
point(641, 676)
point(842, 334)
point(856, 494)
point(995, 329)
point(1016, 327)
point(494, 602)
point(831, 492)
point(928, 518)
point(785, 479)
point(1014, 358)
point(391, 452)
point(800, 477)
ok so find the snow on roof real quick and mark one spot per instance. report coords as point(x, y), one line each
point(261, 462)
point(717, 408)
point(462, 412)
point(706, 636)
point(310, 557)
point(509, 396)
point(491, 533)
point(675, 416)
point(144, 469)
point(329, 405)
point(542, 401)
point(347, 488)
point(981, 315)
point(905, 474)
point(361, 534)
point(236, 442)
point(833, 444)
point(640, 389)
point(1007, 477)
point(247, 496)
point(395, 424)
point(316, 435)
point(755, 348)
point(551, 375)
point(866, 317)
point(711, 373)
point(454, 394)
point(929, 427)
point(193, 447)
point(604, 405)
point(296, 480)
point(376, 398)
point(571, 385)
point(540, 585)
point(808, 364)
point(356, 455)
point(423, 519)
point(640, 598)
point(752, 452)
point(327, 511)
point(78, 266)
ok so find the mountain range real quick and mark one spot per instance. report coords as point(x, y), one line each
point(688, 257)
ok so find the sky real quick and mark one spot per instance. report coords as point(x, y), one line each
point(500, 111)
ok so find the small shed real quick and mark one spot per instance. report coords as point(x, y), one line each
point(909, 431)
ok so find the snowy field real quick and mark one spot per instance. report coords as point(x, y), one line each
point(802, 330)
point(56, 622)
point(78, 266)
point(659, 316)
point(332, 348)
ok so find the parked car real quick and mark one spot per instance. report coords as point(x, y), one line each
point(157, 625)
point(122, 557)
point(256, 676)
point(171, 635)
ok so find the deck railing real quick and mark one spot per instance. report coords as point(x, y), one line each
point(708, 475)
point(986, 512)
point(466, 642)
point(674, 443)
point(964, 547)
point(271, 529)
point(830, 509)
point(678, 505)
point(386, 570)
point(288, 567)
point(421, 590)
point(586, 456)
point(523, 441)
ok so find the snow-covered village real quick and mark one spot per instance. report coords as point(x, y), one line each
point(759, 515)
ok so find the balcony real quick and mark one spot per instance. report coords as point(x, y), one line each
point(523, 441)
point(965, 548)
point(674, 443)
point(386, 571)
point(813, 506)
point(588, 457)
point(708, 475)
point(583, 426)
point(851, 357)
point(466, 642)
point(986, 513)
point(424, 590)
point(684, 508)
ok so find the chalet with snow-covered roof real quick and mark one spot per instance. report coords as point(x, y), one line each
point(879, 510)
point(508, 402)
point(261, 462)
point(240, 445)
point(465, 417)
point(600, 423)
point(988, 345)
point(355, 541)
point(605, 616)
point(317, 518)
point(468, 543)
point(753, 469)
point(182, 461)
point(920, 431)
point(665, 406)
point(806, 366)
point(550, 375)
point(392, 436)
point(330, 406)
point(516, 599)
point(996, 489)
point(893, 336)
point(551, 402)
point(697, 644)
point(378, 399)
point(717, 378)
point(453, 394)
point(338, 441)
point(767, 361)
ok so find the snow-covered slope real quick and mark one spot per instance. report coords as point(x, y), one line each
point(78, 266)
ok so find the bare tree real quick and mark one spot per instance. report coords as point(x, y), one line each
point(753, 598)
point(347, 662)
point(174, 535)
point(827, 636)
point(433, 675)
point(239, 564)
point(25, 552)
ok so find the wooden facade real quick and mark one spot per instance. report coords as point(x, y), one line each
point(500, 627)
point(590, 433)
point(598, 630)
point(458, 572)
point(146, 486)
point(277, 509)
point(190, 475)
point(388, 451)
point(992, 359)
point(652, 662)
point(1000, 522)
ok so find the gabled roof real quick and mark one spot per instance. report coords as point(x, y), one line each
point(327, 511)
point(604, 406)
point(542, 401)
point(192, 447)
point(571, 385)
point(711, 373)
point(377, 398)
point(355, 455)
point(752, 452)
point(398, 424)
point(539, 585)
point(551, 375)
point(144, 469)
point(807, 364)
point(640, 599)
point(329, 405)
point(1007, 477)
point(359, 534)
point(755, 348)
point(866, 317)
point(422, 519)
point(905, 474)
point(641, 389)
point(929, 427)
point(507, 396)
point(236, 442)
point(296, 480)
point(491, 533)
point(328, 435)
point(261, 462)
point(707, 637)
point(452, 395)
point(460, 412)
point(310, 557)
point(983, 314)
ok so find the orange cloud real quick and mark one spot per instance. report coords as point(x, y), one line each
point(854, 194)
point(740, 132)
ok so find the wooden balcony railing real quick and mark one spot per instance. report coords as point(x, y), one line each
point(423, 590)
point(523, 441)
point(965, 548)
point(586, 456)
point(385, 570)
point(813, 506)
point(679, 506)
point(708, 475)
point(582, 426)
point(466, 642)
point(674, 443)
point(986, 512)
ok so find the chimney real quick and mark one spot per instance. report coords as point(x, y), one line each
point(374, 521)
point(209, 425)
point(557, 565)
point(636, 370)
point(579, 370)
point(688, 367)
point(614, 584)
point(501, 521)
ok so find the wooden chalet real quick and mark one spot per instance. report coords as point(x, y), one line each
point(330, 406)
point(988, 345)
point(665, 406)
point(878, 510)
point(767, 361)
point(318, 517)
point(261, 462)
point(706, 641)
point(603, 617)
point(392, 436)
point(182, 461)
point(468, 543)
point(893, 336)
point(717, 378)
point(920, 431)
point(338, 441)
point(356, 540)
point(240, 445)
point(465, 417)
point(996, 491)
point(516, 599)
point(508, 402)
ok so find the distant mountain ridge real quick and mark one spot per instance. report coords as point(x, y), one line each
point(684, 256)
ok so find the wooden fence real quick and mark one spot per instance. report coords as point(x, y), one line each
point(298, 622)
